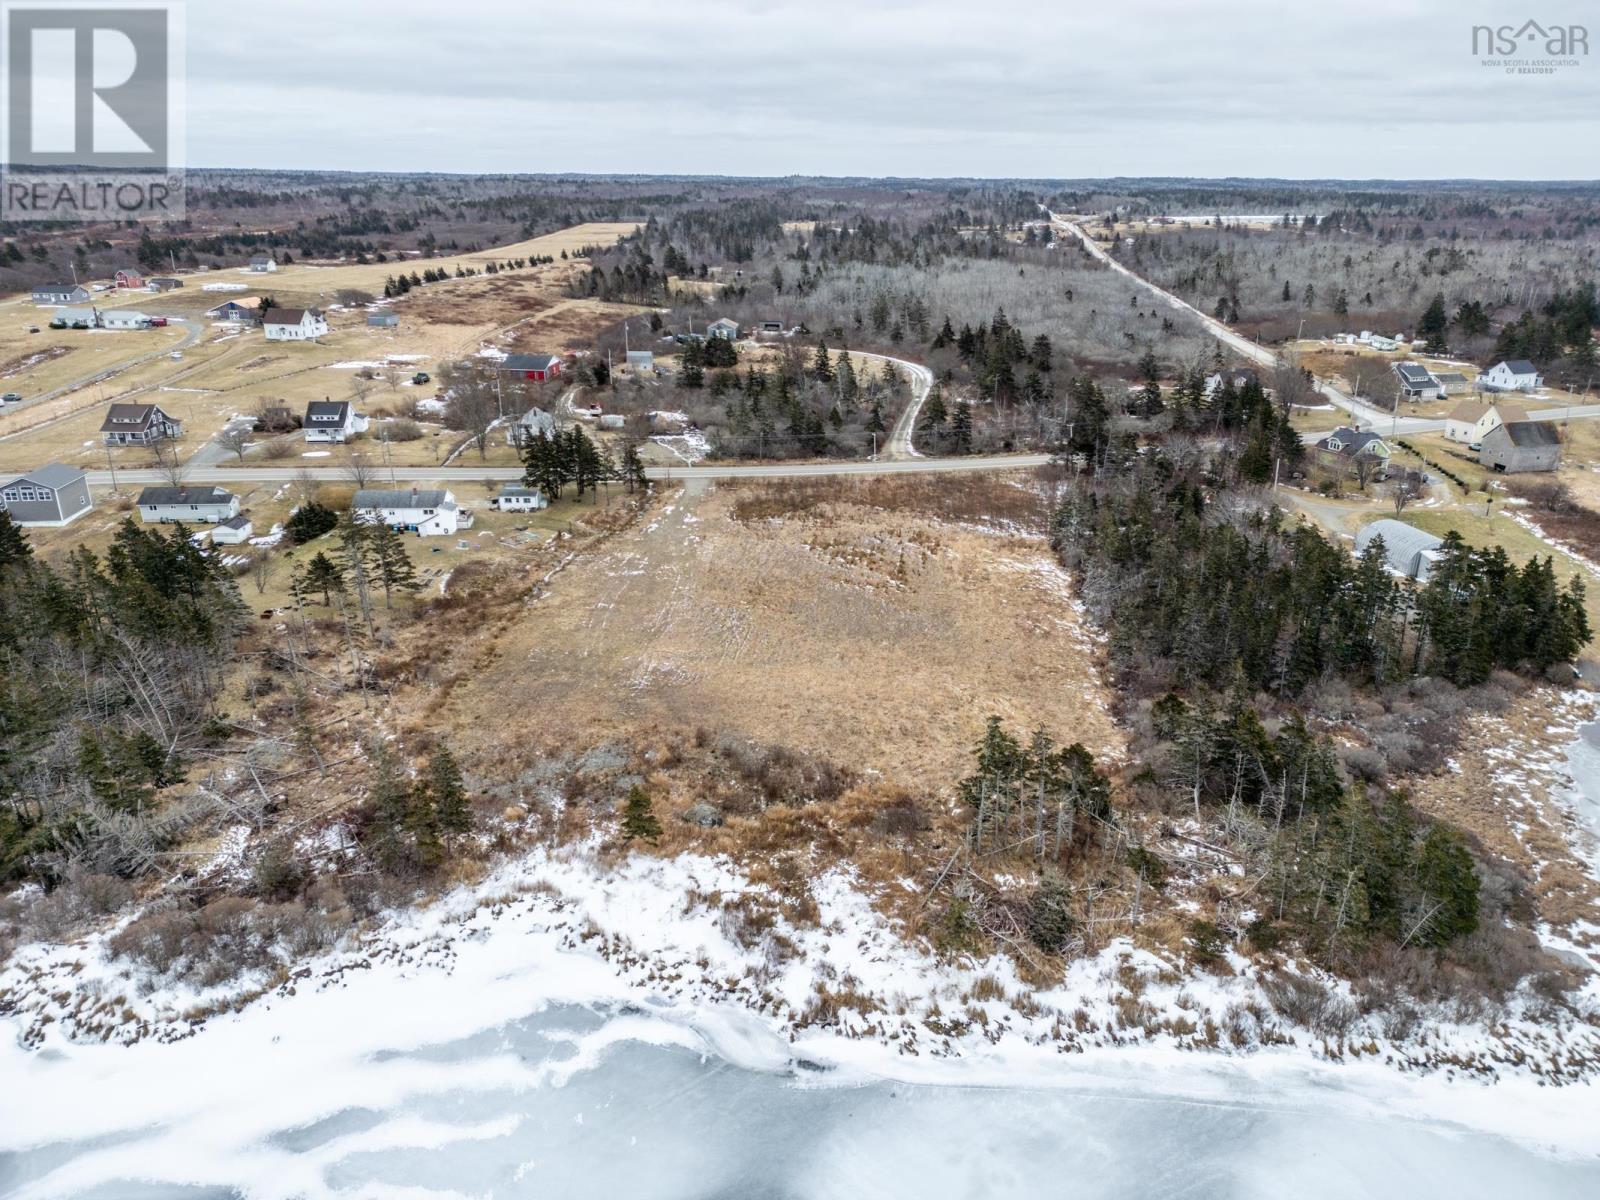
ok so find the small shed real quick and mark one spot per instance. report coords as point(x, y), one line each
point(384, 319)
point(233, 531)
point(1408, 550)
point(641, 362)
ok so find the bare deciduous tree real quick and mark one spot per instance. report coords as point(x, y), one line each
point(473, 404)
point(263, 566)
point(358, 469)
point(169, 462)
point(235, 439)
point(1406, 487)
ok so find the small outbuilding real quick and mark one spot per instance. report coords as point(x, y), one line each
point(383, 320)
point(1408, 550)
point(232, 532)
point(514, 498)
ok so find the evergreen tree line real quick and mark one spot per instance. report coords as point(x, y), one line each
point(807, 408)
point(552, 462)
point(109, 671)
point(413, 825)
point(1226, 593)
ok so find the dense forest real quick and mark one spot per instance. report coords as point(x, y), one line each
point(110, 669)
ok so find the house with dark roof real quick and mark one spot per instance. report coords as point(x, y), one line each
point(138, 425)
point(426, 512)
point(1451, 383)
point(55, 494)
point(1347, 450)
point(532, 424)
point(245, 309)
point(332, 421)
point(263, 262)
point(192, 505)
point(1511, 375)
point(723, 327)
point(1522, 446)
point(60, 293)
point(1416, 381)
point(538, 367)
point(293, 324)
point(165, 283)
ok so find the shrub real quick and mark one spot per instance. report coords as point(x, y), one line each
point(310, 521)
point(399, 429)
point(277, 448)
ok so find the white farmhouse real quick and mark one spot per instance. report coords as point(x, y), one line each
point(427, 512)
point(195, 505)
point(263, 262)
point(294, 324)
point(1511, 375)
point(1470, 422)
point(332, 421)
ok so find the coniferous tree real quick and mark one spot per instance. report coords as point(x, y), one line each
point(639, 820)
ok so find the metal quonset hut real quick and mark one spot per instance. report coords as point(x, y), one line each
point(1409, 550)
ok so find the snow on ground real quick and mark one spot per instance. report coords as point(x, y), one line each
point(691, 446)
point(421, 1006)
point(1575, 555)
point(316, 454)
point(269, 539)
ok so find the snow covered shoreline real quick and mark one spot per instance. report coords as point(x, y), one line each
point(646, 944)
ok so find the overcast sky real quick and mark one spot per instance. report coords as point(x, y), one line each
point(1062, 88)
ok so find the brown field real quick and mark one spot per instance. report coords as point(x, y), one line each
point(232, 370)
point(317, 279)
point(812, 618)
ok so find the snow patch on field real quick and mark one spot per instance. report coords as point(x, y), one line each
point(691, 446)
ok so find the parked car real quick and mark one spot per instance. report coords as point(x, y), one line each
point(33, 329)
point(11, 398)
point(420, 378)
point(176, 355)
point(158, 322)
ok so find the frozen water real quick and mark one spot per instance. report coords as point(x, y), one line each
point(574, 1101)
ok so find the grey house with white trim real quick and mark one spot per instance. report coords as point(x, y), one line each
point(138, 425)
point(192, 505)
point(55, 494)
point(1417, 382)
point(427, 512)
point(60, 293)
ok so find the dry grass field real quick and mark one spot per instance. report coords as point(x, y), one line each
point(232, 370)
point(820, 619)
point(324, 279)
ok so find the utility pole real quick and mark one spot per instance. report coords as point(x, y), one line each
point(111, 463)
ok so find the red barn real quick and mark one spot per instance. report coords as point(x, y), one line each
point(539, 367)
point(129, 279)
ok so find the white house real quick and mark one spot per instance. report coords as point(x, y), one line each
point(232, 532)
point(333, 421)
point(263, 262)
point(76, 318)
point(520, 499)
point(723, 327)
point(1378, 342)
point(427, 512)
point(123, 318)
point(194, 505)
point(294, 324)
point(531, 424)
point(1511, 375)
point(1470, 422)
point(1417, 382)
